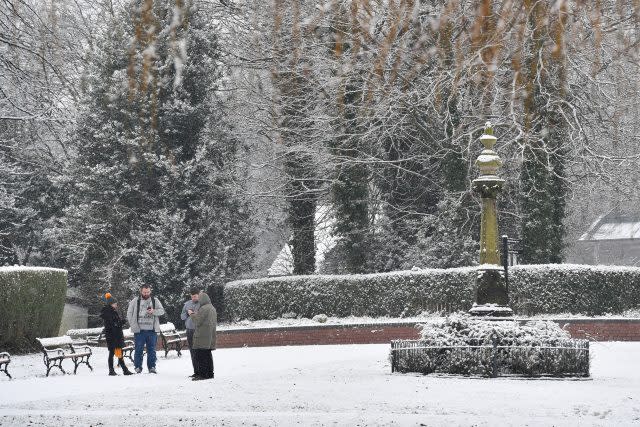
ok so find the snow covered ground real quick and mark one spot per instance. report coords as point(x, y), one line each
point(318, 385)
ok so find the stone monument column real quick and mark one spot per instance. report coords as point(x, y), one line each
point(491, 291)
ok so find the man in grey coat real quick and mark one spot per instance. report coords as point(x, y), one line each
point(204, 337)
point(143, 314)
point(192, 305)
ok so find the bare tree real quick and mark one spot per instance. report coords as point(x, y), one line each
point(417, 79)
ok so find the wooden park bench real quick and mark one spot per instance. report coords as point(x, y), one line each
point(172, 339)
point(95, 337)
point(91, 336)
point(129, 346)
point(5, 359)
point(57, 349)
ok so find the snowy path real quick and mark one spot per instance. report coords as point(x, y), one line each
point(318, 385)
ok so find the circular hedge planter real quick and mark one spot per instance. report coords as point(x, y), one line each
point(461, 345)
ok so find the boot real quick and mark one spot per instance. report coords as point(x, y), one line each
point(112, 372)
point(125, 370)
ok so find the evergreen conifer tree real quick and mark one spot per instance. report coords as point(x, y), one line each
point(543, 181)
point(151, 183)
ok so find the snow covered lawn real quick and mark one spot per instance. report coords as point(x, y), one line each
point(318, 385)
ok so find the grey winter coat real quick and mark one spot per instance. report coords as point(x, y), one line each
point(205, 321)
point(189, 305)
point(132, 313)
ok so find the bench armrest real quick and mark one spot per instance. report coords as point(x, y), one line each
point(171, 335)
point(94, 339)
point(59, 351)
point(80, 347)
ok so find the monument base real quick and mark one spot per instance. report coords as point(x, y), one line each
point(491, 310)
point(492, 297)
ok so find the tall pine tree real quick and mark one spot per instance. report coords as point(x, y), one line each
point(295, 105)
point(543, 181)
point(151, 183)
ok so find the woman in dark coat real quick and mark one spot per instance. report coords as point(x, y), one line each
point(113, 333)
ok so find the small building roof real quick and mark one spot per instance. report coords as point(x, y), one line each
point(613, 227)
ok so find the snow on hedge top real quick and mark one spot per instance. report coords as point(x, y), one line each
point(576, 267)
point(436, 271)
point(22, 268)
point(321, 277)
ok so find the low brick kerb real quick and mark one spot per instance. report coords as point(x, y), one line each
point(380, 333)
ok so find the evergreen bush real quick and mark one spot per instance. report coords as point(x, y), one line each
point(577, 289)
point(31, 304)
point(463, 345)
point(394, 294)
point(534, 289)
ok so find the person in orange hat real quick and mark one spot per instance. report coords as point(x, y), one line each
point(113, 333)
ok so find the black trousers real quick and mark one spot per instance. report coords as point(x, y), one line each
point(204, 363)
point(191, 351)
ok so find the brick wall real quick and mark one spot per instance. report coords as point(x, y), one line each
point(352, 334)
point(602, 329)
point(380, 333)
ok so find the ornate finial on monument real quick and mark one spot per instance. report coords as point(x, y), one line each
point(487, 138)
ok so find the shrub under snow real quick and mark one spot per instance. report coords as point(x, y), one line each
point(460, 329)
point(534, 289)
point(31, 305)
point(464, 345)
point(578, 289)
point(395, 294)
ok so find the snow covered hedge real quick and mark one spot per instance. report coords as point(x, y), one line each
point(570, 288)
point(394, 294)
point(460, 328)
point(534, 289)
point(462, 345)
point(31, 305)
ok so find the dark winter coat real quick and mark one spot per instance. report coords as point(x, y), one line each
point(112, 327)
point(205, 321)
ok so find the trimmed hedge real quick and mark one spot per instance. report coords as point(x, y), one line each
point(394, 294)
point(534, 289)
point(31, 304)
point(578, 289)
point(463, 345)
